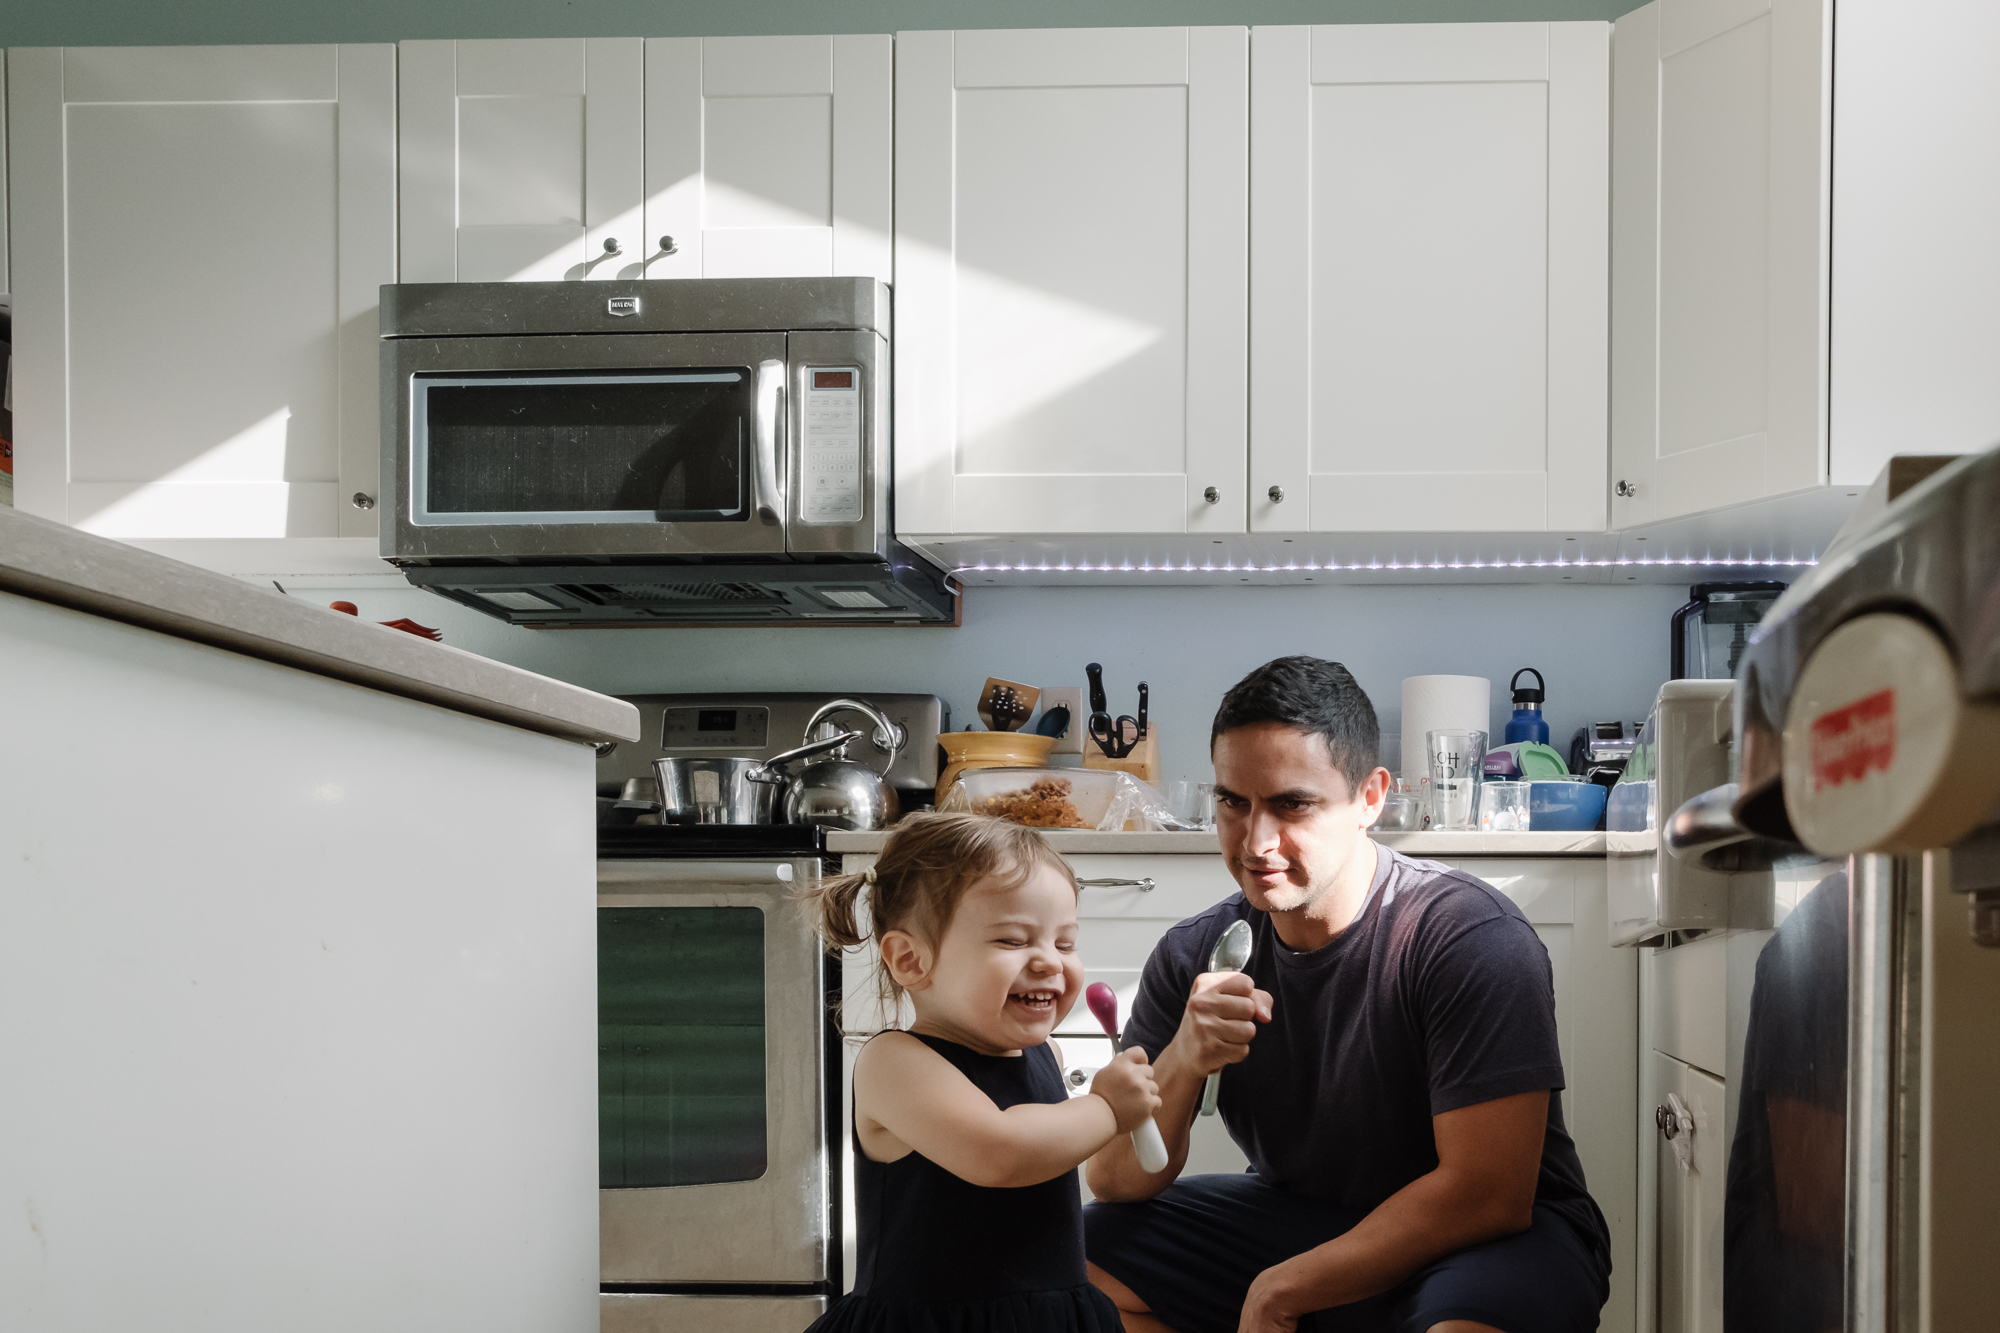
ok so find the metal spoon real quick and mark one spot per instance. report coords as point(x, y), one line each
point(1230, 954)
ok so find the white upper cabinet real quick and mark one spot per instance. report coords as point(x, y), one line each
point(719, 157)
point(1428, 290)
point(1719, 251)
point(521, 159)
point(769, 157)
point(1071, 269)
point(199, 236)
point(1915, 354)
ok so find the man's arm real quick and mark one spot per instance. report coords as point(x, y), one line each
point(1489, 1159)
point(1221, 1017)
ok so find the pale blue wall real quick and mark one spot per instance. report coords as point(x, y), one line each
point(1603, 649)
point(196, 22)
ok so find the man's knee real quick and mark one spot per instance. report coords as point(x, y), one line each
point(1121, 1295)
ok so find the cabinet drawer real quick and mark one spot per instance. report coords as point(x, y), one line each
point(1542, 887)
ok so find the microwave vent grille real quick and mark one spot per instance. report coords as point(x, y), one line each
point(628, 593)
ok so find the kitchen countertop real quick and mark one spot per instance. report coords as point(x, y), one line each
point(1082, 843)
point(53, 563)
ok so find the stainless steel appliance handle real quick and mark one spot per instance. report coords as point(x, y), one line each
point(770, 503)
point(1143, 885)
point(1705, 831)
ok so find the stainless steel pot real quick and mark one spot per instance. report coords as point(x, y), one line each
point(731, 791)
point(715, 791)
point(838, 792)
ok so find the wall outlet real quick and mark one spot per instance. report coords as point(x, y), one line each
point(1070, 697)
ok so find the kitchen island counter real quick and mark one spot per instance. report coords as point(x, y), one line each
point(53, 563)
point(1080, 842)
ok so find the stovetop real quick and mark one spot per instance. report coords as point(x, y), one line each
point(683, 841)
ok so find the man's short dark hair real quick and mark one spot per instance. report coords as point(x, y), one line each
point(1315, 696)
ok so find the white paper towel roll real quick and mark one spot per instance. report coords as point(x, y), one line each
point(1441, 703)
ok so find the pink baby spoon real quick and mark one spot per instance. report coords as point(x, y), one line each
point(1147, 1144)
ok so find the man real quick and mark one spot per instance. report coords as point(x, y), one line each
point(1389, 1067)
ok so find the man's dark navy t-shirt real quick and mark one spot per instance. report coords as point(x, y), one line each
point(1438, 996)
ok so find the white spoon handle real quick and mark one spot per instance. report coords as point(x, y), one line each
point(1209, 1091)
point(1149, 1147)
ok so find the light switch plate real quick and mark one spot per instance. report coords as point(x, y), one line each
point(1071, 697)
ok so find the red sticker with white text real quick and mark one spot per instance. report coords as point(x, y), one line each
point(1851, 742)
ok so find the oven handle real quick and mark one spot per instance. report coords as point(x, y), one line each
point(770, 412)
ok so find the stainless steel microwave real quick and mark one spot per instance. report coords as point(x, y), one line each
point(691, 450)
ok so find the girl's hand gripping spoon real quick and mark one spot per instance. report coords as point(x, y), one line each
point(1147, 1144)
point(1231, 954)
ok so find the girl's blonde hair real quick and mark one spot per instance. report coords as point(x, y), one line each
point(925, 868)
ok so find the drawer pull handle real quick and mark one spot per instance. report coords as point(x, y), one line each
point(1144, 885)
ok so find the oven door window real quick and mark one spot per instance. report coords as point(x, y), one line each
point(680, 1046)
point(620, 447)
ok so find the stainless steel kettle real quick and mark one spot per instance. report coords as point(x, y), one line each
point(837, 792)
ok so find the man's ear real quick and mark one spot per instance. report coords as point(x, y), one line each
point(1374, 789)
point(907, 959)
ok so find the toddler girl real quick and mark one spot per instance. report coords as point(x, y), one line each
point(966, 1146)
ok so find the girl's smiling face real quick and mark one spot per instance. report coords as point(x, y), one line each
point(1005, 972)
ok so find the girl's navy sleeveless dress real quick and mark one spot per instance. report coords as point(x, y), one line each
point(940, 1255)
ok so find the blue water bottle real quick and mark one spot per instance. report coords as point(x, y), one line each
point(1527, 724)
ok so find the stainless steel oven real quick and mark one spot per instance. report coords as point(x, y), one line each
point(695, 450)
point(716, 1195)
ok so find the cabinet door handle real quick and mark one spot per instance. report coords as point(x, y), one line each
point(611, 245)
point(1625, 490)
point(1669, 1123)
point(1212, 495)
point(1144, 885)
point(1277, 494)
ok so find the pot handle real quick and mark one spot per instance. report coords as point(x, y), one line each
point(769, 772)
point(889, 738)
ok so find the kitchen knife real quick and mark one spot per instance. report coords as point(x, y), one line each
point(1098, 703)
point(1147, 1145)
point(1143, 695)
point(1230, 954)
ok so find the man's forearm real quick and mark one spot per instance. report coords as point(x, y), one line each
point(1431, 1216)
point(1114, 1174)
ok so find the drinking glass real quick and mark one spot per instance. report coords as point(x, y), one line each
point(1503, 807)
point(1455, 759)
point(1192, 803)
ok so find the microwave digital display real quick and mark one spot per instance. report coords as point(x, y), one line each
point(833, 379)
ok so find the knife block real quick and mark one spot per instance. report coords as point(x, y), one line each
point(1143, 763)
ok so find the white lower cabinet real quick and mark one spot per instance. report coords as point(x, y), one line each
point(199, 235)
point(1689, 1203)
point(1129, 902)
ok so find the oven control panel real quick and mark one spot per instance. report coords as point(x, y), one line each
point(830, 491)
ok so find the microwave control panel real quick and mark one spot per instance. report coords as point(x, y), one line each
point(831, 490)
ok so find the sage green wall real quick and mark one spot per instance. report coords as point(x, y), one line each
point(206, 22)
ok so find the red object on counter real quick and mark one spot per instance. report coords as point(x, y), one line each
point(409, 626)
point(346, 608)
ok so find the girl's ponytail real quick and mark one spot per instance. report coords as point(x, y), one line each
point(833, 903)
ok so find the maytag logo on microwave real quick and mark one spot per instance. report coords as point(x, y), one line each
point(621, 306)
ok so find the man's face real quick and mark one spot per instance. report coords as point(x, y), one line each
point(1289, 821)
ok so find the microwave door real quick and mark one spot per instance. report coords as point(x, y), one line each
point(596, 445)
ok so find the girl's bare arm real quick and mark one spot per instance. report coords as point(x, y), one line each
point(922, 1103)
